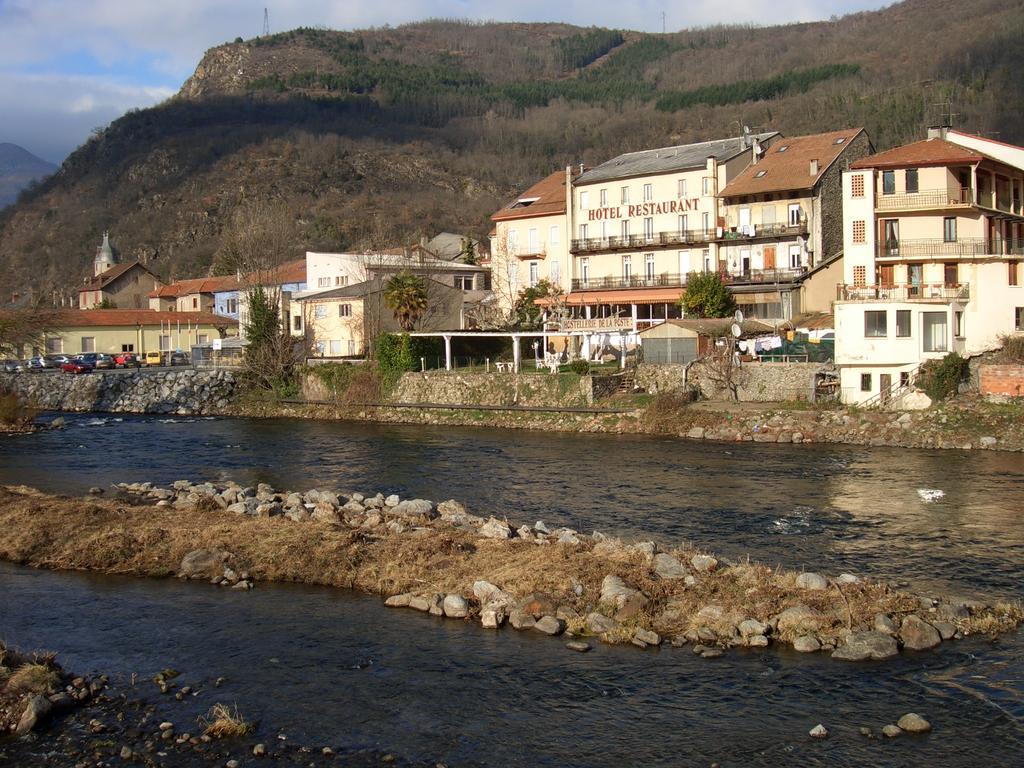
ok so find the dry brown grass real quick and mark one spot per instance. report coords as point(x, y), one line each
point(33, 678)
point(224, 722)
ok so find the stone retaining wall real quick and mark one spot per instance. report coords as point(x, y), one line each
point(1005, 380)
point(453, 388)
point(759, 382)
point(184, 391)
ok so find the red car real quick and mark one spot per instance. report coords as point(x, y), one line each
point(74, 365)
point(126, 360)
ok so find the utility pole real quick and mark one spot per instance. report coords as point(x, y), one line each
point(266, 22)
point(663, 22)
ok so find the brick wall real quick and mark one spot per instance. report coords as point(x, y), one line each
point(1006, 380)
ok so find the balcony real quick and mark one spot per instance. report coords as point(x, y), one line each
point(763, 276)
point(757, 231)
point(927, 292)
point(664, 280)
point(639, 242)
point(529, 253)
point(967, 246)
point(930, 199)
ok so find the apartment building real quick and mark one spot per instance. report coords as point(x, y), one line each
point(781, 237)
point(194, 295)
point(530, 241)
point(933, 235)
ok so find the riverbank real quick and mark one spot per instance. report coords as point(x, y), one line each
point(447, 561)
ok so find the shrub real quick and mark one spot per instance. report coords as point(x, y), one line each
point(14, 411)
point(398, 353)
point(1013, 349)
point(580, 367)
point(940, 379)
point(223, 721)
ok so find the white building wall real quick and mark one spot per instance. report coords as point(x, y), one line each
point(857, 210)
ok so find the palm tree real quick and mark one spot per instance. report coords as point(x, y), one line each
point(406, 294)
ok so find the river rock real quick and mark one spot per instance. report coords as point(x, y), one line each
point(861, 646)
point(946, 630)
point(811, 581)
point(704, 563)
point(414, 508)
point(325, 513)
point(668, 567)
point(756, 641)
point(521, 620)
point(203, 564)
point(884, 623)
point(549, 625)
point(918, 635)
point(806, 644)
point(799, 620)
point(953, 612)
point(615, 591)
point(578, 645)
point(492, 618)
point(913, 723)
point(419, 603)
point(818, 732)
point(751, 628)
point(490, 595)
point(598, 623)
point(892, 731)
point(645, 637)
point(36, 709)
point(456, 607)
point(537, 604)
point(393, 500)
point(399, 601)
point(496, 529)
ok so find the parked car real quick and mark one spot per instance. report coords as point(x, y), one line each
point(153, 357)
point(77, 365)
point(96, 359)
point(126, 360)
point(35, 364)
point(179, 358)
point(13, 366)
point(55, 361)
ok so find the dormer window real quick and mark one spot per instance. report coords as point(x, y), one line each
point(784, 147)
point(840, 140)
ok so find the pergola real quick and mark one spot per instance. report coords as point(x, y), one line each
point(515, 336)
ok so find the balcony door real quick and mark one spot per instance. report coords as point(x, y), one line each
point(886, 276)
point(915, 277)
point(769, 257)
point(744, 220)
point(891, 236)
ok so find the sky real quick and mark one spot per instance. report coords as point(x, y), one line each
point(68, 67)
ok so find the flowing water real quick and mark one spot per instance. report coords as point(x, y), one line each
point(329, 667)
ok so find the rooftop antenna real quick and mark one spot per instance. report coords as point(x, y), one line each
point(663, 22)
point(266, 22)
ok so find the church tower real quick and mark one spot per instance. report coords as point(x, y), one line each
point(104, 257)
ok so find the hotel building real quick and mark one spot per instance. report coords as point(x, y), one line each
point(933, 235)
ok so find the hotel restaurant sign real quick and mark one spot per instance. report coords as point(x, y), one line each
point(599, 324)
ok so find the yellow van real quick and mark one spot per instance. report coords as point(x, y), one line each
point(152, 358)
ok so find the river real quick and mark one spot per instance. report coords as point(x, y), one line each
point(334, 668)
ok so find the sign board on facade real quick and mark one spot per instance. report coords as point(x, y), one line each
point(218, 345)
point(599, 324)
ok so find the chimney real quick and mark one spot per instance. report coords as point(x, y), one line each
point(937, 131)
point(756, 151)
point(814, 168)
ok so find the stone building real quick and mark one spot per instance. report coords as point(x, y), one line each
point(124, 286)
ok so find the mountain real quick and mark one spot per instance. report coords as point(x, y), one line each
point(375, 137)
point(18, 169)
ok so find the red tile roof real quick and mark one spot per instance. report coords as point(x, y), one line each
point(103, 279)
point(195, 285)
point(545, 198)
point(74, 318)
point(786, 164)
point(920, 153)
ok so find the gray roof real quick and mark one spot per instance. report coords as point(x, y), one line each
point(356, 290)
point(667, 159)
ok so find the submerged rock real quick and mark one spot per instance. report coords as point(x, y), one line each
point(913, 723)
point(862, 646)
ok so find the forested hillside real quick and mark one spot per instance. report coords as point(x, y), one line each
point(370, 138)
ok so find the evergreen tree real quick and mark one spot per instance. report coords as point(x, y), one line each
point(263, 325)
point(706, 296)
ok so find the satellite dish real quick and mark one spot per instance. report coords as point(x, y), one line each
point(738, 316)
point(736, 330)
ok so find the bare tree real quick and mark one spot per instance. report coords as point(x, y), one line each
point(25, 328)
point(721, 367)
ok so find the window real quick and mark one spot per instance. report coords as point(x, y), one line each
point(341, 280)
point(912, 180)
point(88, 343)
point(706, 186)
point(555, 272)
point(534, 273)
point(865, 382)
point(649, 228)
point(583, 231)
point(553, 236)
point(949, 274)
point(320, 347)
point(344, 310)
point(1018, 318)
point(949, 229)
point(320, 311)
point(585, 270)
point(857, 185)
point(794, 214)
point(604, 198)
point(533, 238)
point(904, 379)
point(624, 195)
point(625, 229)
point(627, 267)
point(513, 241)
point(297, 323)
point(840, 140)
point(933, 331)
point(203, 338)
point(860, 231)
point(683, 224)
point(131, 347)
point(648, 192)
point(706, 254)
point(902, 323)
point(232, 306)
point(760, 174)
point(464, 282)
point(706, 222)
point(165, 343)
point(324, 282)
point(794, 256)
point(783, 148)
point(54, 345)
point(1013, 272)
point(958, 324)
point(195, 303)
point(876, 324)
point(335, 347)
point(584, 200)
point(681, 188)
point(860, 275)
point(888, 182)
point(649, 266)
